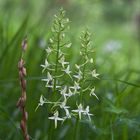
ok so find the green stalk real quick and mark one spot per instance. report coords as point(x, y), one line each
point(56, 63)
point(81, 92)
point(76, 129)
point(83, 71)
point(50, 133)
point(50, 136)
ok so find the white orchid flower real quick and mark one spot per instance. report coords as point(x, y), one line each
point(56, 118)
point(94, 74)
point(92, 93)
point(79, 110)
point(86, 112)
point(45, 66)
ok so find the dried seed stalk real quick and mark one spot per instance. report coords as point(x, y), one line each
point(22, 100)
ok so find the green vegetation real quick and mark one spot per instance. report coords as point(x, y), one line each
point(114, 28)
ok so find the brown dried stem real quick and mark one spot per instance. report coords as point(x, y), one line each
point(22, 100)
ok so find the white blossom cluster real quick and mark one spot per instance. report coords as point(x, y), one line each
point(61, 81)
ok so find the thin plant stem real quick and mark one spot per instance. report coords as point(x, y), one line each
point(76, 129)
point(50, 134)
point(55, 72)
point(81, 98)
point(56, 63)
point(83, 71)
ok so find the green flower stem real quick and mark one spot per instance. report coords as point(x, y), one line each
point(76, 129)
point(54, 88)
point(50, 133)
point(56, 63)
point(83, 71)
point(81, 97)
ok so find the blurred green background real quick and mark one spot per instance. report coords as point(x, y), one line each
point(115, 28)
